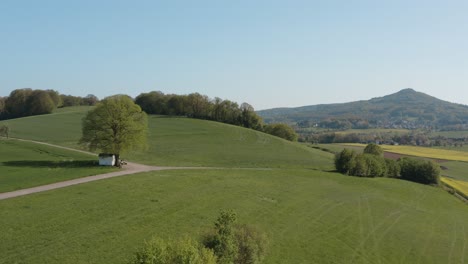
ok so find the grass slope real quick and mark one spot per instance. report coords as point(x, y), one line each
point(62, 127)
point(25, 164)
point(183, 142)
point(309, 216)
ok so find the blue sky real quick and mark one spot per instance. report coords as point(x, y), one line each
point(267, 53)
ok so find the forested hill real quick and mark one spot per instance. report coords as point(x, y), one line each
point(404, 109)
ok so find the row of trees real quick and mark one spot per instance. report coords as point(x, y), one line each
point(200, 106)
point(371, 163)
point(227, 243)
point(28, 102)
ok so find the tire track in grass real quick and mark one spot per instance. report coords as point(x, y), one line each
point(464, 245)
point(428, 239)
point(373, 229)
point(452, 245)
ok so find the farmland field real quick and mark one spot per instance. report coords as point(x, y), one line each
point(309, 217)
point(433, 153)
point(26, 164)
point(461, 186)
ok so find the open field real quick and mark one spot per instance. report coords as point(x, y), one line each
point(25, 164)
point(451, 134)
point(374, 131)
point(455, 169)
point(439, 154)
point(176, 141)
point(309, 216)
point(460, 186)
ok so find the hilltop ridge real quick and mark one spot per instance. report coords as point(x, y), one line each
point(406, 108)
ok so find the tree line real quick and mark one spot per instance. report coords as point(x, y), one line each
point(28, 102)
point(371, 163)
point(199, 106)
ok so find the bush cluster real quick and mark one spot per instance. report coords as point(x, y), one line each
point(371, 163)
point(227, 243)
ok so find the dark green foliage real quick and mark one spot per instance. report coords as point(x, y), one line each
point(70, 100)
point(373, 149)
point(235, 244)
point(200, 106)
point(39, 102)
point(251, 245)
point(393, 168)
point(15, 104)
point(363, 165)
point(376, 165)
point(28, 102)
point(184, 251)
point(5, 131)
point(282, 131)
point(345, 161)
point(2, 106)
point(426, 172)
point(367, 165)
point(223, 241)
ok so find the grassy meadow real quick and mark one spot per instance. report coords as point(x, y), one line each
point(309, 216)
point(178, 141)
point(26, 164)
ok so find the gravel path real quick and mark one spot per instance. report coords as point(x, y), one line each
point(130, 168)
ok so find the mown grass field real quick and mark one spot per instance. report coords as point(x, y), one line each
point(25, 164)
point(309, 216)
point(174, 141)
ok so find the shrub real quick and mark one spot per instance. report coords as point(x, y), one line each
point(393, 168)
point(251, 245)
point(184, 251)
point(235, 244)
point(373, 149)
point(345, 161)
point(426, 172)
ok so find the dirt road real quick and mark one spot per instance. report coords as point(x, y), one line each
point(130, 168)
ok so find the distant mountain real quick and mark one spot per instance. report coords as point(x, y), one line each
point(404, 109)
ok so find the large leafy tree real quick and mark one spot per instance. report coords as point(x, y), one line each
point(115, 125)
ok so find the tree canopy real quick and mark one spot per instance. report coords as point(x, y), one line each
point(115, 126)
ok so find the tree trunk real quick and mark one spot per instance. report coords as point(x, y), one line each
point(117, 161)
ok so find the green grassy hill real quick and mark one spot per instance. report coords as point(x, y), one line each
point(309, 214)
point(183, 142)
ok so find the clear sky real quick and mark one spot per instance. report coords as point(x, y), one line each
point(267, 53)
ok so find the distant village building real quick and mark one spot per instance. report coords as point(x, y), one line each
point(106, 159)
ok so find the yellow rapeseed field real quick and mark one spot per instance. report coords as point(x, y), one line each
point(425, 152)
point(460, 186)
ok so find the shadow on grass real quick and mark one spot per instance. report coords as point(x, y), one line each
point(52, 164)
